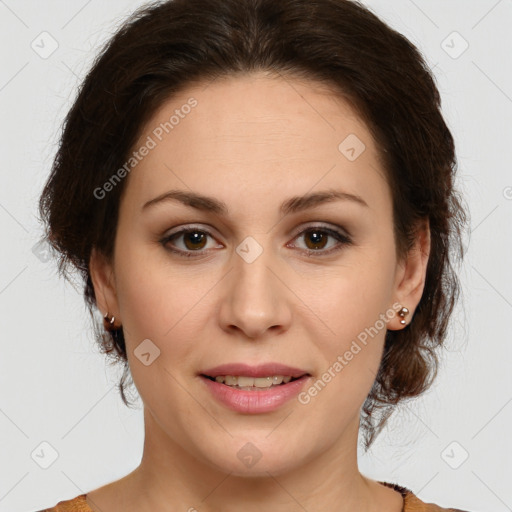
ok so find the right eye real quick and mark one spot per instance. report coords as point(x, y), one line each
point(193, 240)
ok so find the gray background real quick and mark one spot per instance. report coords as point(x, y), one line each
point(55, 388)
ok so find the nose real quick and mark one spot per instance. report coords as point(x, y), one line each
point(255, 300)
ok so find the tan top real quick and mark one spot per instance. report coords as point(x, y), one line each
point(411, 503)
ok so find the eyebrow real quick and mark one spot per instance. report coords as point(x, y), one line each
point(292, 205)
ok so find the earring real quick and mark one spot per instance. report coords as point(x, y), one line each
point(402, 313)
point(106, 317)
point(108, 322)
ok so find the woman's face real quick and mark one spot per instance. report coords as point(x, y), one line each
point(260, 279)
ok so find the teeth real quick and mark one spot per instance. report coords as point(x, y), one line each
point(250, 382)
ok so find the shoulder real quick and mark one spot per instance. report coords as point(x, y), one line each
point(413, 504)
point(77, 504)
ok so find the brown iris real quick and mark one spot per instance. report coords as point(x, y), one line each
point(196, 238)
point(316, 237)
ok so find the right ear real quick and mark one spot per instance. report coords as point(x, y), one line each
point(103, 280)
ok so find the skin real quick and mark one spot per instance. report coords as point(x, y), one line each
point(252, 142)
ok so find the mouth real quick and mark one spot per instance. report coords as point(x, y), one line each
point(250, 389)
point(254, 377)
point(246, 394)
point(248, 383)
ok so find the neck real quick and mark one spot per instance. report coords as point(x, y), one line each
point(170, 476)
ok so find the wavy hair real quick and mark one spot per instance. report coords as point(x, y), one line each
point(165, 46)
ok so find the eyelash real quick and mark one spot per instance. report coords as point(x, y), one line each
point(343, 240)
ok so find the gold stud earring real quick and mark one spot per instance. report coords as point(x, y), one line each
point(108, 321)
point(402, 313)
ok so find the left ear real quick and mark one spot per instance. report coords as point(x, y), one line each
point(411, 274)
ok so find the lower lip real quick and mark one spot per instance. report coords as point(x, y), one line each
point(255, 402)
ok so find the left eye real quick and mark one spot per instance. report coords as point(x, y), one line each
point(316, 239)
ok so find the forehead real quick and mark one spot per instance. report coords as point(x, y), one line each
point(259, 134)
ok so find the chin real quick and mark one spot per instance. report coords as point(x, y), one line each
point(256, 456)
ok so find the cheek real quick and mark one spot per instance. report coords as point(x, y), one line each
point(350, 298)
point(351, 309)
point(146, 288)
point(165, 303)
point(351, 352)
point(356, 335)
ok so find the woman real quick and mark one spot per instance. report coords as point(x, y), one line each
point(259, 197)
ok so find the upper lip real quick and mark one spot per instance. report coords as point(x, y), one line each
point(261, 370)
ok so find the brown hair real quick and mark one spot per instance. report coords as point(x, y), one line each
point(168, 45)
